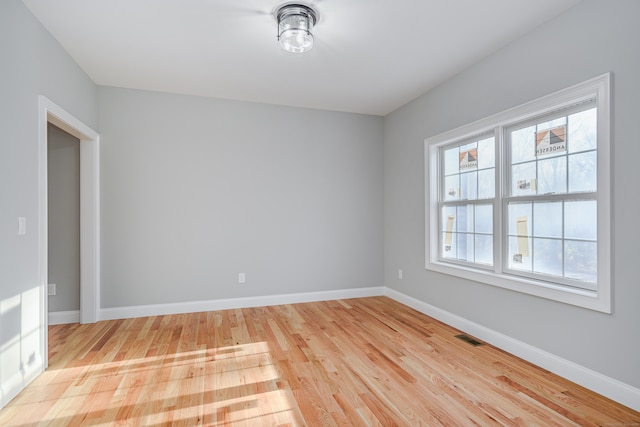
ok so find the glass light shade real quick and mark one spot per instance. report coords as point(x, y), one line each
point(295, 23)
point(296, 41)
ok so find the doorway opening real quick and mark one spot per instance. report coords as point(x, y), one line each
point(50, 113)
point(63, 179)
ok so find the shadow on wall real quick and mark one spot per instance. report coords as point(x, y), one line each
point(20, 358)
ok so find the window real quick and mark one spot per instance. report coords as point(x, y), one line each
point(521, 199)
point(467, 199)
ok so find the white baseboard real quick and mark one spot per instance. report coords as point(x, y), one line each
point(12, 386)
point(233, 303)
point(64, 317)
point(606, 386)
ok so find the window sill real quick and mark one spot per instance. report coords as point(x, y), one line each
point(591, 300)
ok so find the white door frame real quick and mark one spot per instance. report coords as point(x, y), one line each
point(89, 212)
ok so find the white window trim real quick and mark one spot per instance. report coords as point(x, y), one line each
point(599, 300)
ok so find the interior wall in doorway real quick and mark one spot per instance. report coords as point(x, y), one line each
point(64, 219)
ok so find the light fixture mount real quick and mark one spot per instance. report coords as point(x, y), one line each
point(295, 23)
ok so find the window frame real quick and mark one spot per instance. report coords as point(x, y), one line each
point(599, 89)
point(562, 197)
point(463, 202)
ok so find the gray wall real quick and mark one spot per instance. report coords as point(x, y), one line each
point(64, 219)
point(32, 63)
point(592, 38)
point(197, 190)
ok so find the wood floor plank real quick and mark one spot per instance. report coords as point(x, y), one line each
point(356, 362)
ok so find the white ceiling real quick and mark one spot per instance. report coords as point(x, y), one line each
point(370, 56)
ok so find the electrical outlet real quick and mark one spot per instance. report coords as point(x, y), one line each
point(52, 289)
point(400, 274)
point(22, 226)
point(242, 278)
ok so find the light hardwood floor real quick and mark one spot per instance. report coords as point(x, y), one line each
point(355, 362)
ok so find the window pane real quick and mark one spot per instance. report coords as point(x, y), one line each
point(523, 145)
point(486, 184)
point(468, 159)
point(452, 187)
point(580, 260)
point(449, 218)
point(449, 245)
point(582, 172)
point(552, 175)
point(519, 211)
point(580, 220)
point(465, 247)
point(448, 228)
point(484, 249)
point(547, 256)
point(469, 185)
point(519, 221)
point(451, 161)
point(486, 153)
point(547, 219)
point(465, 218)
point(552, 123)
point(468, 147)
point(484, 219)
point(515, 258)
point(582, 131)
point(551, 142)
point(523, 179)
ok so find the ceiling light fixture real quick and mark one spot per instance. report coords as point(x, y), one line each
point(295, 22)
